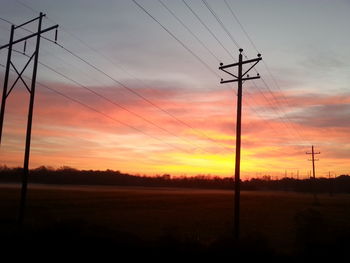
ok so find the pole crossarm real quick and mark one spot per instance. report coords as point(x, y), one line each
point(30, 21)
point(243, 62)
point(29, 36)
point(236, 78)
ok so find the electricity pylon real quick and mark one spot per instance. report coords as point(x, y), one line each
point(6, 92)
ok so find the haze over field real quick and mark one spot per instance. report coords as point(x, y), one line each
point(189, 126)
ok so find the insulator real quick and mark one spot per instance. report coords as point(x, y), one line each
point(56, 35)
point(25, 47)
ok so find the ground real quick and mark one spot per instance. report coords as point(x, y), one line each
point(284, 223)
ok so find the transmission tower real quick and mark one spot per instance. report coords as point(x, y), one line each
point(30, 88)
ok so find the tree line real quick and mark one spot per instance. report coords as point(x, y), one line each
point(71, 176)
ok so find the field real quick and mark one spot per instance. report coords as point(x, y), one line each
point(283, 223)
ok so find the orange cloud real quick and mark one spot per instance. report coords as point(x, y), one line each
point(67, 133)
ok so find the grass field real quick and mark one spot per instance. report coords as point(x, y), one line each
point(282, 221)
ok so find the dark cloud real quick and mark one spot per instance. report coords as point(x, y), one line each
point(324, 116)
point(323, 60)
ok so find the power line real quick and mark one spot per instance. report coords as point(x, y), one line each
point(220, 22)
point(216, 17)
point(236, 43)
point(227, 32)
point(180, 121)
point(245, 32)
point(26, 6)
point(188, 29)
point(116, 104)
point(121, 106)
point(197, 16)
point(137, 93)
point(134, 92)
point(205, 26)
point(106, 115)
point(184, 24)
point(176, 38)
point(267, 68)
point(208, 50)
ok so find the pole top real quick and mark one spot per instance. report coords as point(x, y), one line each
point(241, 50)
point(259, 55)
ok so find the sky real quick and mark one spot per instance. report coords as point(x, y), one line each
point(136, 88)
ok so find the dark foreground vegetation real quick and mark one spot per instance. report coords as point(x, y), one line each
point(173, 225)
point(68, 175)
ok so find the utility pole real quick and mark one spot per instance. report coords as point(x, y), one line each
point(313, 172)
point(330, 181)
point(239, 78)
point(31, 90)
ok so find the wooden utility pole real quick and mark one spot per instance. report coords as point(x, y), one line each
point(239, 78)
point(313, 172)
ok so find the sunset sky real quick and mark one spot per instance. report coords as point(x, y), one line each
point(145, 102)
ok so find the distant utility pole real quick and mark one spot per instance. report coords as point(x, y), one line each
point(30, 89)
point(239, 78)
point(313, 171)
point(330, 182)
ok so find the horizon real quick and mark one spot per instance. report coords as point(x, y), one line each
point(303, 98)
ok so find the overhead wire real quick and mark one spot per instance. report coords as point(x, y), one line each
point(169, 31)
point(268, 88)
point(106, 115)
point(114, 103)
point(265, 65)
point(207, 28)
point(221, 44)
point(110, 117)
point(137, 93)
point(220, 22)
point(189, 30)
point(177, 39)
point(198, 132)
point(164, 5)
point(160, 24)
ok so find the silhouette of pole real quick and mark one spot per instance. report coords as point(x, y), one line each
point(238, 149)
point(6, 79)
point(313, 172)
point(239, 79)
point(29, 129)
point(31, 91)
point(330, 180)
